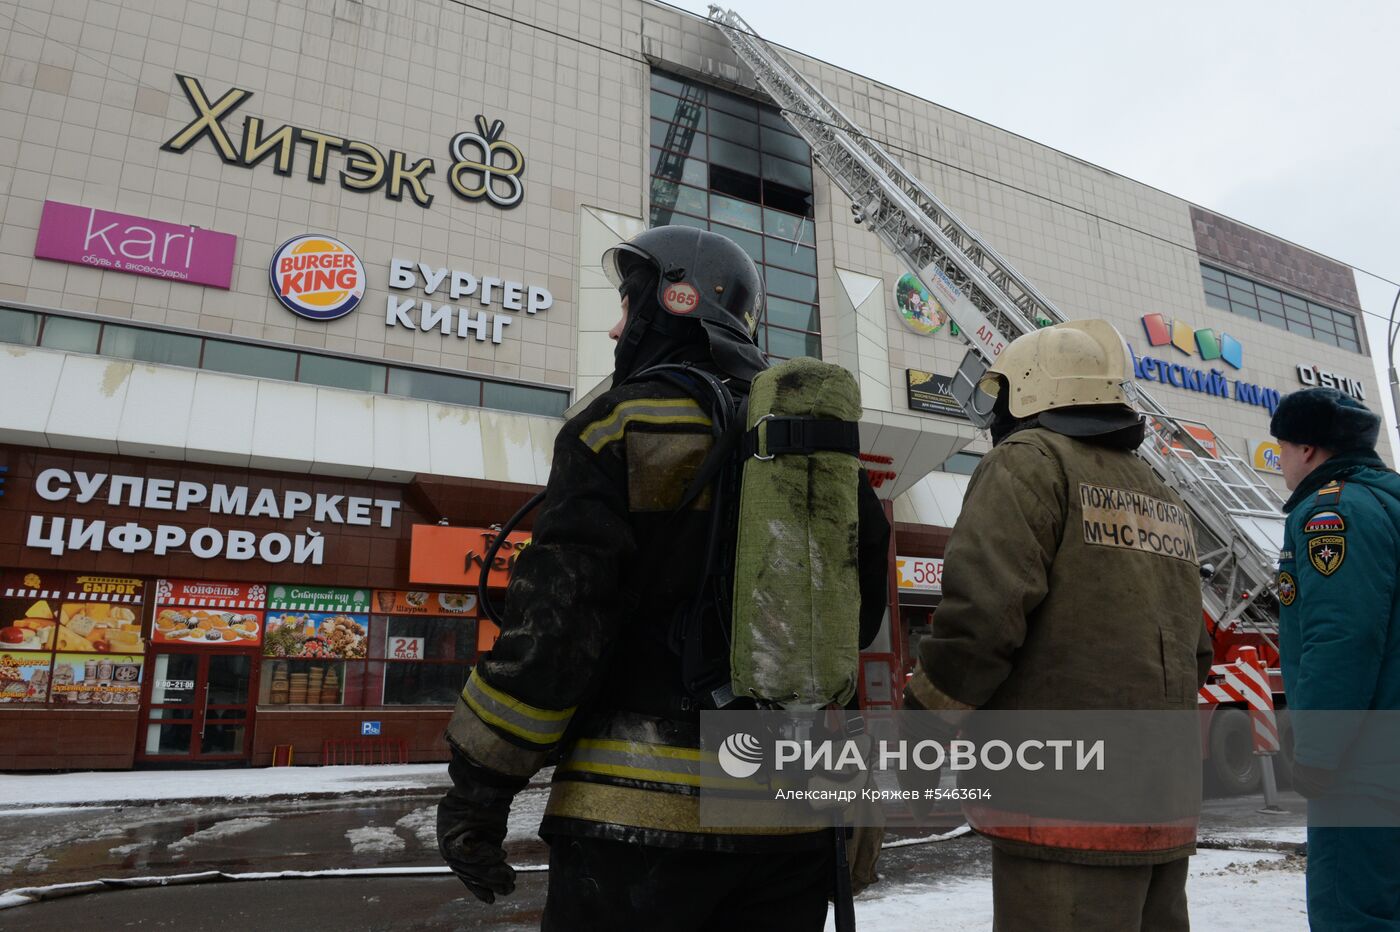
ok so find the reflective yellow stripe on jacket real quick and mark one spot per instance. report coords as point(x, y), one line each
point(539, 727)
point(600, 433)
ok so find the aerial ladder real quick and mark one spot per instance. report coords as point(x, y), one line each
point(1237, 516)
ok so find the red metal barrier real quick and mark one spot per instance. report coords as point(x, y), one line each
point(336, 751)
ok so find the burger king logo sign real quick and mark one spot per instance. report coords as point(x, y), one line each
point(317, 277)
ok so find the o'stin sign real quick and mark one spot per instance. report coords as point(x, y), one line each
point(317, 277)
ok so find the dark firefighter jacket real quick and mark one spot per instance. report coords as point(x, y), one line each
point(582, 661)
point(1071, 583)
point(1339, 627)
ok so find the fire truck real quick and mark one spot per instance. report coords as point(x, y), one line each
point(1237, 516)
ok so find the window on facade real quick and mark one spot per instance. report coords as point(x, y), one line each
point(341, 373)
point(70, 334)
point(1257, 301)
point(172, 349)
point(961, 463)
point(724, 163)
point(20, 327)
point(434, 386)
point(152, 344)
point(523, 398)
point(243, 359)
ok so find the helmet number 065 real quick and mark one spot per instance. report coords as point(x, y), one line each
point(680, 298)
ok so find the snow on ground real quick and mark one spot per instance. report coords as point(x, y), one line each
point(1220, 884)
point(1283, 834)
point(525, 815)
point(42, 793)
point(219, 830)
point(374, 839)
point(421, 822)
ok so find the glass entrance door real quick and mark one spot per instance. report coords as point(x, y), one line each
point(199, 707)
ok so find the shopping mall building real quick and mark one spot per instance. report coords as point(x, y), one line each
point(294, 297)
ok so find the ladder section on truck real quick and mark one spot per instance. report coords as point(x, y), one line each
point(1238, 516)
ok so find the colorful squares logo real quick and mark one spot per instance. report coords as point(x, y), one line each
point(1231, 350)
point(1158, 330)
point(1209, 343)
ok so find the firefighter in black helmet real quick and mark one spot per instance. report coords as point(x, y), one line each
point(708, 289)
point(588, 663)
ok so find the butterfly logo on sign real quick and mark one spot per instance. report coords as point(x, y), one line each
point(478, 176)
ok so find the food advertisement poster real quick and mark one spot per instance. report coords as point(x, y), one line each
point(24, 677)
point(199, 613)
point(29, 605)
point(87, 627)
point(316, 635)
point(109, 680)
point(424, 602)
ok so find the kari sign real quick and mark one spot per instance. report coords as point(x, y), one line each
point(105, 239)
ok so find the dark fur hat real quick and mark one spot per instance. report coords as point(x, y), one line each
point(1324, 417)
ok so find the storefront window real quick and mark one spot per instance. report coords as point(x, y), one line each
point(316, 643)
point(428, 641)
point(423, 683)
point(302, 682)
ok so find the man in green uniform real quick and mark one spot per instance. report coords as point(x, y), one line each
point(1339, 636)
point(591, 663)
point(1071, 582)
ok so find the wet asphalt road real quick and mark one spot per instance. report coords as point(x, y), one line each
point(69, 845)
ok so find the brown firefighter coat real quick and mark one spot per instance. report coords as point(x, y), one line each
point(1071, 583)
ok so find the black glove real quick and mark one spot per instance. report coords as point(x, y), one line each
point(471, 827)
point(1312, 782)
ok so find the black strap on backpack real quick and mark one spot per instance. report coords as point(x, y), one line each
point(773, 436)
point(705, 672)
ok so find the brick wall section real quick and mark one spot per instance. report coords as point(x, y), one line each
point(58, 739)
point(422, 729)
point(1247, 250)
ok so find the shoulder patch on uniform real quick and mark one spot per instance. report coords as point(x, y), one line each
point(1327, 552)
point(606, 430)
point(1287, 588)
point(1331, 491)
point(1285, 555)
point(1325, 521)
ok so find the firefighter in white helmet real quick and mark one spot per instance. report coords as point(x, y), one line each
point(1049, 603)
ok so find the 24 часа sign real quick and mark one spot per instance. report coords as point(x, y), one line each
point(484, 167)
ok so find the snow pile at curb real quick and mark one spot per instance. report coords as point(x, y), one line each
point(219, 830)
point(1215, 891)
point(46, 792)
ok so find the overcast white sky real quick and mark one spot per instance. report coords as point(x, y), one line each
point(1274, 113)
